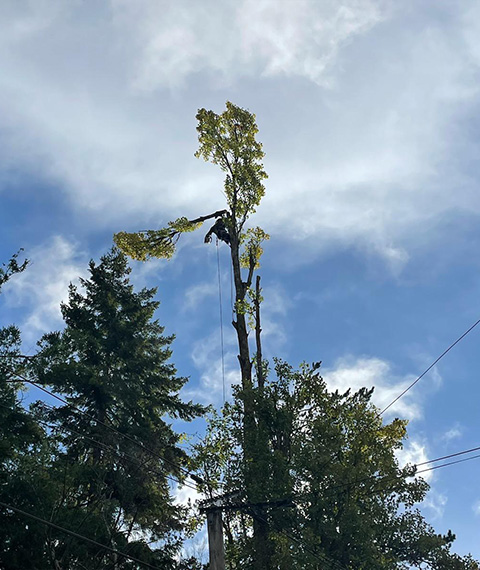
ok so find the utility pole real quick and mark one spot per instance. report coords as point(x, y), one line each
point(232, 501)
point(216, 550)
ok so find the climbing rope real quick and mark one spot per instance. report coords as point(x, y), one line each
point(221, 322)
point(231, 292)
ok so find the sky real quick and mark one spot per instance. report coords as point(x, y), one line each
point(368, 113)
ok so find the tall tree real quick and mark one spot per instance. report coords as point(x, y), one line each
point(111, 363)
point(334, 493)
point(229, 141)
point(272, 449)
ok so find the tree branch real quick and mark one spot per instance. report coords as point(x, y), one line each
point(216, 214)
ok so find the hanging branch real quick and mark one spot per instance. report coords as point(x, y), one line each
point(145, 244)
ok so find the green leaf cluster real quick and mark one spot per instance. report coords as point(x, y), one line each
point(148, 244)
point(326, 473)
point(228, 139)
point(252, 240)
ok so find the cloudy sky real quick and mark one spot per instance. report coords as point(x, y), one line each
point(368, 112)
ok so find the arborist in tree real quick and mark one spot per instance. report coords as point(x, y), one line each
point(220, 230)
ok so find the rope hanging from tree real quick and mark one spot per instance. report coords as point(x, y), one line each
point(221, 321)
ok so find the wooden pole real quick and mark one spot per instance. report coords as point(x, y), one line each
point(215, 539)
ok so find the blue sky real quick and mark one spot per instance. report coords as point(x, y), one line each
point(368, 112)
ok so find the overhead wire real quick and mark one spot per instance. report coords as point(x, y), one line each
point(461, 337)
point(77, 535)
point(121, 454)
point(444, 353)
point(448, 464)
point(286, 501)
point(183, 470)
point(471, 450)
point(194, 477)
point(317, 555)
point(292, 537)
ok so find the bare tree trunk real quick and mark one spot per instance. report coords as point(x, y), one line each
point(251, 441)
point(258, 338)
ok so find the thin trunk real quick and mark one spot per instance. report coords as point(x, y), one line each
point(240, 324)
point(258, 338)
point(251, 429)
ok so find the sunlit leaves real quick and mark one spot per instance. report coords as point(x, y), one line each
point(252, 241)
point(228, 139)
point(154, 243)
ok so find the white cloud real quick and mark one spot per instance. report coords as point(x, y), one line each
point(454, 432)
point(414, 452)
point(374, 372)
point(359, 107)
point(40, 289)
point(245, 38)
point(215, 375)
point(434, 503)
point(196, 294)
point(183, 495)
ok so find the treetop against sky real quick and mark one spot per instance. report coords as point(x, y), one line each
point(367, 112)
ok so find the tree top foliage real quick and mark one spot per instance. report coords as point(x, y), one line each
point(228, 140)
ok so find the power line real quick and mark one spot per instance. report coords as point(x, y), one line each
point(185, 471)
point(450, 463)
point(428, 469)
point(380, 479)
point(122, 454)
point(444, 353)
point(429, 368)
point(76, 535)
point(286, 501)
point(319, 556)
point(435, 467)
point(195, 477)
point(471, 450)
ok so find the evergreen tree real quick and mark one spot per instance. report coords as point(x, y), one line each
point(111, 362)
point(21, 440)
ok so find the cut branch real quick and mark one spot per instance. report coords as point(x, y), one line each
point(216, 214)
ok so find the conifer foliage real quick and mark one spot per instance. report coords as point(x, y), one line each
point(111, 363)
